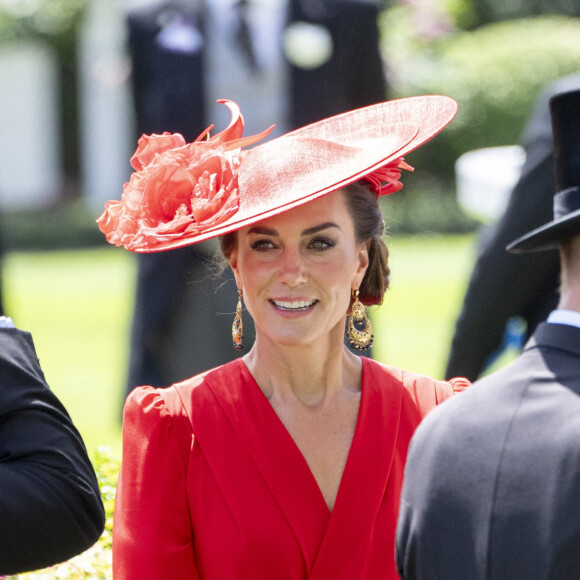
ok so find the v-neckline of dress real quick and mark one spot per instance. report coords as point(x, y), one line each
point(287, 474)
point(278, 426)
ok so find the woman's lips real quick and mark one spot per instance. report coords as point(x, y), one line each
point(293, 305)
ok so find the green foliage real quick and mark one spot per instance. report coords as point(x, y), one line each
point(495, 73)
point(487, 11)
point(66, 225)
point(463, 12)
point(107, 465)
point(54, 20)
point(95, 563)
point(420, 208)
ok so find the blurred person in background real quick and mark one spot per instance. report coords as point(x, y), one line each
point(333, 51)
point(50, 504)
point(186, 55)
point(492, 477)
point(504, 286)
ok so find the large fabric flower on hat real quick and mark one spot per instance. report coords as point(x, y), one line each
point(178, 189)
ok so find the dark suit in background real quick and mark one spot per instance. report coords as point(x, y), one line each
point(354, 74)
point(176, 332)
point(504, 285)
point(50, 505)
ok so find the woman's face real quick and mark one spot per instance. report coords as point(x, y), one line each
point(298, 270)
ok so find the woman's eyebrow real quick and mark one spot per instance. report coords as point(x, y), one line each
point(262, 231)
point(316, 229)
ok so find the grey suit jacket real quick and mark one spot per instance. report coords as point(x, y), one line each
point(492, 483)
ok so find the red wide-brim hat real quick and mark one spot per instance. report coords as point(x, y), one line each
point(183, 193)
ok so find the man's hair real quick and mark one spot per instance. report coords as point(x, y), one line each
point(570, 258)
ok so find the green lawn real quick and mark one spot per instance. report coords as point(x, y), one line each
point(414, 326)
point(78, 305)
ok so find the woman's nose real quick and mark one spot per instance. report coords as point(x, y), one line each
point(292, 268)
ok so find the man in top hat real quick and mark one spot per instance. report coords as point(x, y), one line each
point(492, 482)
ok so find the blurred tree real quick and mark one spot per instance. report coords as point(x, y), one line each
point(495, 72)
point(488, 11)
point(50, 19)
point(57, 23)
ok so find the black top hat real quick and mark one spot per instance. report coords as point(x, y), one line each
point(565, 114)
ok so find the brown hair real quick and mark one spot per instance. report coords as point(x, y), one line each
point(227, 245)
point(369, 227)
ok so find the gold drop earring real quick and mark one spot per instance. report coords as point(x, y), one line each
point(359, 329)
point(238, 324)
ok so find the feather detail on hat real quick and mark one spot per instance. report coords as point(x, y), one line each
point(385, 180)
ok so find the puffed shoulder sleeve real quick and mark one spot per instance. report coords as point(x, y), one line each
point(446, 389)
point(152, 532)
point(459, 384)
point(428, 392)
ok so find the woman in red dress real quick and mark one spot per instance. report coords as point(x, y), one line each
point(287, 463)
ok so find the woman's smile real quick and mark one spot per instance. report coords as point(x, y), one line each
point(294, 305)
point(293, 308)
point(298, 271)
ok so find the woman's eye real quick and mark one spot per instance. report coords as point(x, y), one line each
point(321, 244)
point(262, 245)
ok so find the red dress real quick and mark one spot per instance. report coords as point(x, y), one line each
point(236, 500)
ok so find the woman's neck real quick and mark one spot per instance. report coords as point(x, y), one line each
point(311, 376)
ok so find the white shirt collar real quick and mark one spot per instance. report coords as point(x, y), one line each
point(560, 316)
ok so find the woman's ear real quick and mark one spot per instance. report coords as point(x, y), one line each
point(363, 262)
point(234, 266)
